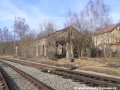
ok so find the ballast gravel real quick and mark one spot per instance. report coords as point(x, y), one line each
point(54, 81)
point(16, 81)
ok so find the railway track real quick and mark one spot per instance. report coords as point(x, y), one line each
point(94, 80)
point(3, 84)
point(38, 84)
point(86, 78)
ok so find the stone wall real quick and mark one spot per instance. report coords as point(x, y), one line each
point(55, 44)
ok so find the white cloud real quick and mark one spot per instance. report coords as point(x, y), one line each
point(6, 14)
point(33, 18)
point(34, 15)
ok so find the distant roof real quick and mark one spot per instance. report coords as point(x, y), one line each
point(106, 29)
point(61, 31)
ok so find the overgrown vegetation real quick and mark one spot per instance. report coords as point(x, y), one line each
point(96, 14)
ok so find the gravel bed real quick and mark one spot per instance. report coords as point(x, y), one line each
point(16, 81)
point(54, 81)
point(92, 72)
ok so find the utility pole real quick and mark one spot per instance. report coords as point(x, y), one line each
point(14, 35)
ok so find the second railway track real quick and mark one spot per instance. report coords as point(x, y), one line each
point(87, 78)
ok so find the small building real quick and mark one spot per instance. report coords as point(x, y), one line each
point(58, 44)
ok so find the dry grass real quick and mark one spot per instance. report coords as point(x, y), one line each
point(93, 64)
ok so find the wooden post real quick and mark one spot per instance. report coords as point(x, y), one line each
point(16, 51)
point(68, 50)
point(36, 50)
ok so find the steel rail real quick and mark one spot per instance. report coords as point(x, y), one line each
point(37, 83)
point(3, 82)
point(77, 75)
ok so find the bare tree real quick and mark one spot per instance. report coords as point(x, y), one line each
point(50, 27)
point(83, 39)
point(80, 21)
point(46, 29)
point(90, 15)
point(5, 41)
point(102, 14)
point(97, 16)
point(20, 27)
point(26, 46)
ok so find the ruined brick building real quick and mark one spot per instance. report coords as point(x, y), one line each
point(57, 44)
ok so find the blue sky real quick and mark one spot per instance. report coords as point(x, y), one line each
point(37, 11)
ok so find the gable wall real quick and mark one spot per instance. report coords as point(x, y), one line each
point(51, 39)
point(112, 37)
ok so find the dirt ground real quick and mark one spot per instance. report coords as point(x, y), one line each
point(109, 66)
